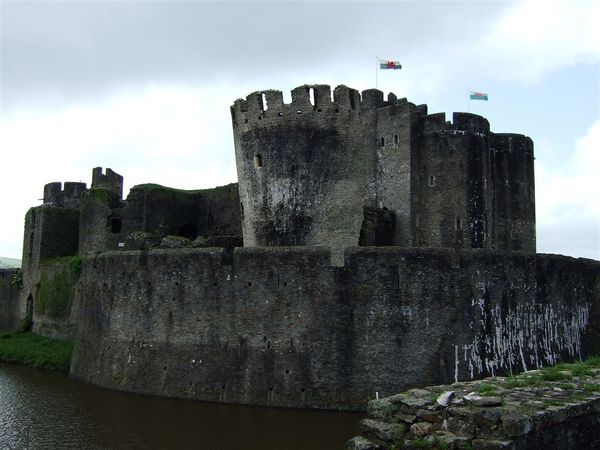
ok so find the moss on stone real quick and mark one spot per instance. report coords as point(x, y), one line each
point(56, 286)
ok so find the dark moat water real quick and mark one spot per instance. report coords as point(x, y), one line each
point(46, 410)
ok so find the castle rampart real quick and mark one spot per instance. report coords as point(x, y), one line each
point(280, 326)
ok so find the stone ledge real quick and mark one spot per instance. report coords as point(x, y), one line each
point(556, 407)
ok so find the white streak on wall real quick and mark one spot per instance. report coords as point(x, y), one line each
point(522, 336)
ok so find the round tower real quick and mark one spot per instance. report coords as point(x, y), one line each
point(514, 191)
point(454, 183)
point(304, 167)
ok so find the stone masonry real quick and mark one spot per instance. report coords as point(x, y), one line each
point(541, 409)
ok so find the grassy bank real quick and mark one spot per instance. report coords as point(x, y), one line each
point(36, 351)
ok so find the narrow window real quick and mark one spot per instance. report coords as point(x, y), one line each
point(311, 96)
point(257, 161)
point(484, 182)
point(396, 139)
point(458, 223)
point(382, 142)
point(242, 210)
point(263, 98)
point(432, 180)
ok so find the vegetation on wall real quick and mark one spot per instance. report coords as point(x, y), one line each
point(17, 280)
point(55, 289)
point(36, 351)
point(101, 194)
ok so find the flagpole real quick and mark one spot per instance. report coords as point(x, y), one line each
point(469, 101)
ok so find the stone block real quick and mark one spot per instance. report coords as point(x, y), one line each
point(361, 443)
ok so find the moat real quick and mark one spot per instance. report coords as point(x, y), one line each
point(42, 409)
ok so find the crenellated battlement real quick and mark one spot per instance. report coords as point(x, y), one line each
point(462, 123)
point(68, 197)
point(309, 102)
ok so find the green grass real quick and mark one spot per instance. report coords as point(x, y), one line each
point(591, 387)
point(593, 361)
point(35, 351)
point(486, 388)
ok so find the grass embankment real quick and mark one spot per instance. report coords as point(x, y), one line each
point(36, 351)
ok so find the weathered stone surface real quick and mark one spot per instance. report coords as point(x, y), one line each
point(482, 401)
point(515, 424)
point(445, 398)
point(381, 408)
point(421, 429)
point(432, 416)
point(560, 418)
point(361, 443)
point(484, 444)
point(380, 431)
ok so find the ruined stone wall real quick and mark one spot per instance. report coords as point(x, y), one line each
point(100, 223)
point(160, 211)
point(280, 326)
point(551, 409)
point(9, 300)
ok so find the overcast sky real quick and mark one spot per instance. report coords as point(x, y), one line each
point(144, 87)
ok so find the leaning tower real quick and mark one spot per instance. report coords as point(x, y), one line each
point(304, 168)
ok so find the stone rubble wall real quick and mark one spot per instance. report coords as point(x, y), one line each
point(539, 409)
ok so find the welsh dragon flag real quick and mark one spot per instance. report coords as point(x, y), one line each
point(478, 96)
point(395, 65)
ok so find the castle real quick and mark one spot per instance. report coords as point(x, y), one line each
point(367, 247)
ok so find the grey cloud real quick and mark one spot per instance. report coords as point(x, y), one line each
point(69, 49)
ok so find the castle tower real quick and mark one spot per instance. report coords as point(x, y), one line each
point(361, 170)
point(69, 197)
point(397, 157)
point(110, 180)
point(514, 192)
point(454, 183)
point(100, 225)
point(304, 168)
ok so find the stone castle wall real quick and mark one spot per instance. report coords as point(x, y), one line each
point(9, 300)
point(281, 327)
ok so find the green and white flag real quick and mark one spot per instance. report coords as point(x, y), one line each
point(478, 96)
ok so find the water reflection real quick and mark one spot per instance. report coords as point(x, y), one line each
point(46, 410)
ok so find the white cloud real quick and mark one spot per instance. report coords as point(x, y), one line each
point(568, 201)
point(538, 36)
